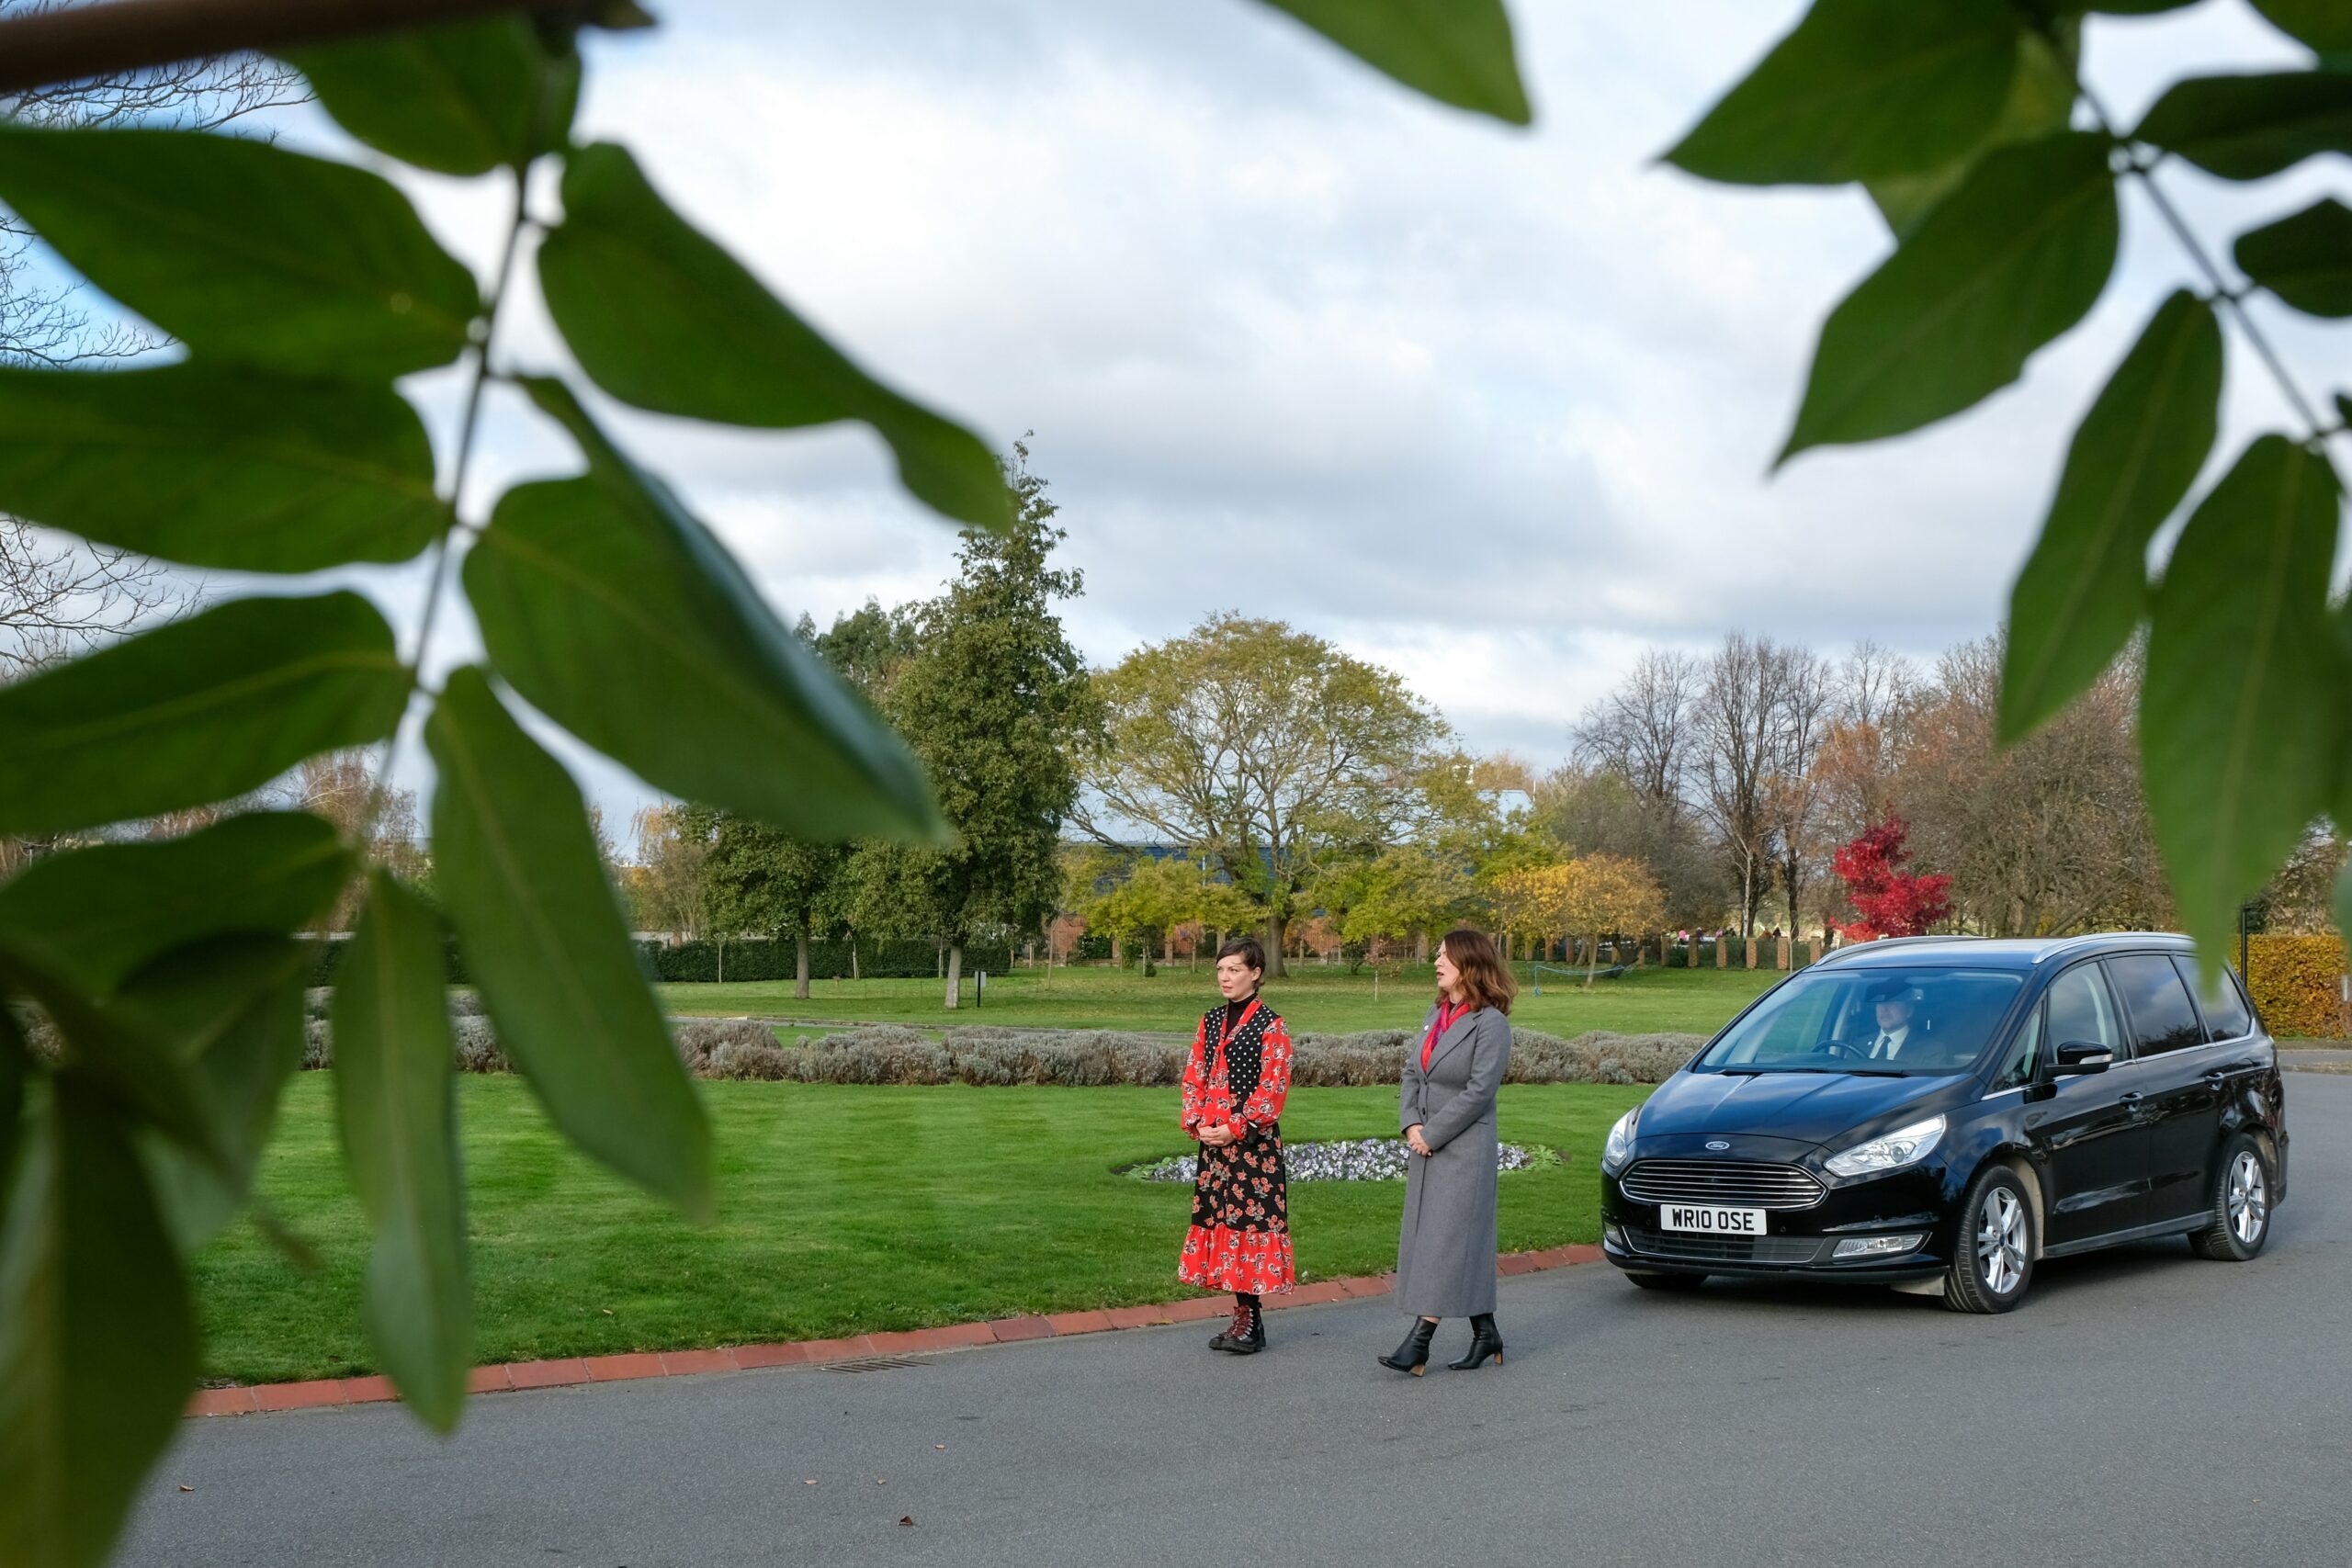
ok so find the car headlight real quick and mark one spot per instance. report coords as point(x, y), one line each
point(1905, 1146)
point(1620, 1146)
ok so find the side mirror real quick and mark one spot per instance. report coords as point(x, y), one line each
point(2080, 1057)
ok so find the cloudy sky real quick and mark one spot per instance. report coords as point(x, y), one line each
point(1492, 407)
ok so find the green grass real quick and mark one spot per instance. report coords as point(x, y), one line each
point(1311, 998)
point(841, 1211)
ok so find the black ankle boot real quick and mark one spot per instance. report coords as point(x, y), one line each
point(1252, 1319)
point(1486, 1343)
point(1413, 1355)
point(1235, 1329)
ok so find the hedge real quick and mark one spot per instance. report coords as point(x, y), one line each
point(2295, 984)
point(760, 959)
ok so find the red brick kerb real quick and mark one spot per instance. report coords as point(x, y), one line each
point(249, 1399)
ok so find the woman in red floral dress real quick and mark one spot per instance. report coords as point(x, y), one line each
point(1233, 1088)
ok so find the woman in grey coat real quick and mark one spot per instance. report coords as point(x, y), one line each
point(1445, 1249)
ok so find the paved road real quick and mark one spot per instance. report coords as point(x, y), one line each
point(2144, 1407)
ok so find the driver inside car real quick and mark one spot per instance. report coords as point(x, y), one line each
point(1896, 1005)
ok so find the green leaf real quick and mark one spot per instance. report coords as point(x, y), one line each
point(2008, 261)
point(195, 711)
point(458, 99)
point(97, 1338)
point(130, 1055)
point(2133, 457)
point(230, 1008)
point(2248, 128)
point(398, 1113)
point(2241, 664)
point(219, 467)
point(95, 915)
point(2324, 25)
point(2041, 102)
point(515, 867)
point(619, 615)
point(2306, 260)
point(15, 1067)
point(1863, 90)
point(245, 251)
point(662, 318)
point(1457, 51)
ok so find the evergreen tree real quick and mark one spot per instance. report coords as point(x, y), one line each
point(991, 701)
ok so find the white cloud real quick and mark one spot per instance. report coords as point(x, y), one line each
point(1494, 408)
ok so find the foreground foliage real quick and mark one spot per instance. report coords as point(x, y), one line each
point(2000, 172)
point(301, 288)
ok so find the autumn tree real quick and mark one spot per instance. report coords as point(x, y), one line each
point(1268, 748)
point(1891, 901)
point(665, 882)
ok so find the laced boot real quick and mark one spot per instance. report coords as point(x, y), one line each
point(1486, 1343)
point(1235, 1328)
point(1254, 1320)
point(1413, 1355)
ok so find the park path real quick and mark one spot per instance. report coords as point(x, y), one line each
point(2142, 1406)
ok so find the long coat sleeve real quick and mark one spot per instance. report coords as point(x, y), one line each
point(1447, 1242)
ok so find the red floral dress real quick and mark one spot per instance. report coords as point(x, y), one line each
point(1238, 1076)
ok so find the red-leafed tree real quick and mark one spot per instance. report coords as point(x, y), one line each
point(1890, 901)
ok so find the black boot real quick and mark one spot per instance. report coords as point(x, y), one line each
point(1413, 1355)
point(1253, 1320)
point(1486, 1342)
point(1235, 1329)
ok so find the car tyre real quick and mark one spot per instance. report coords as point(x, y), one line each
point(2243, 1190)
point(1992, 1262)
point(1649, 1280)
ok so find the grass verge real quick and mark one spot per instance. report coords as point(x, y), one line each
point(1325, 1001)
point(841, 1211)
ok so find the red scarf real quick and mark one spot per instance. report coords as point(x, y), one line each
point(1447, 1013)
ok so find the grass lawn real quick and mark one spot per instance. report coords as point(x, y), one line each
point(841, 1211)
point(1311, 998)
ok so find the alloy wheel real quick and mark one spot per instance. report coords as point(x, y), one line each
point(2249, 1198)
point(2001, 1241)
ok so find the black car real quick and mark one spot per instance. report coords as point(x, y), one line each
point(1941, 1113)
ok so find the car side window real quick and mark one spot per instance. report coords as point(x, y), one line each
point(2082, 1012)
point(2226, 1015)
point(2025, 1056)
point(2162, 1016)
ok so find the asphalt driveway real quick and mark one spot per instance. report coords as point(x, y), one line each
point(2142, 1408)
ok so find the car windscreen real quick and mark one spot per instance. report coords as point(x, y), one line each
point(1910, 1021)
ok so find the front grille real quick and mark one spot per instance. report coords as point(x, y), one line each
point(1725, 1248)
point(1746, 1184)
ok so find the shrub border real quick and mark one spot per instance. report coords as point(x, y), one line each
point(248, 1399)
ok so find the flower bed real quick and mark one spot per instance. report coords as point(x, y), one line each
point(1341, 1159)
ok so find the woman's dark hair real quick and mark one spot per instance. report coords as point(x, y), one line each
point(1485, 982)
point(1246, 949)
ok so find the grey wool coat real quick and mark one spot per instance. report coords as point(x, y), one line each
point(1445, 1249)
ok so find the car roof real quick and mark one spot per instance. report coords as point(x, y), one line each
point(1997, 952)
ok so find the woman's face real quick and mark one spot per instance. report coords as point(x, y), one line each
point(1447, 975)
point(1235, 978)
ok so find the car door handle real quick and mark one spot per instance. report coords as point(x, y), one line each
point(2130, 1101)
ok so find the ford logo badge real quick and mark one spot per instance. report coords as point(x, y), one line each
point(1717, 1144)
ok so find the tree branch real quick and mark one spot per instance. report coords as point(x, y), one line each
point(75, 42)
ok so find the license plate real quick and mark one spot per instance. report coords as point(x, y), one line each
point(1708, 1220)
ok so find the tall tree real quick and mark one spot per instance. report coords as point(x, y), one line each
point(994, 701)
point(1269, 747)
point(1738, 724)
